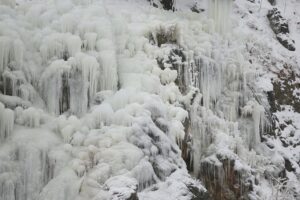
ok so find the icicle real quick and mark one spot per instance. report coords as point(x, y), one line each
point(51, 84)
point(32, 117)
point(145, 174)
point(73, 82)
point(73, 43)
point(83, 87)
point(91, 39)
point(257, 112)
point(102, 115)
point(60, 45)
point(200, 133)
point(11, 53)
point(17, 53)
point(209, 80)
point(108, 74)
point(12, 81)
point(6, 122)
point(68, 23)
point(90, 73)
point(258, 119)
point(4, 53)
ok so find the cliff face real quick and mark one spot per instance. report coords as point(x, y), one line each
point(149, 100)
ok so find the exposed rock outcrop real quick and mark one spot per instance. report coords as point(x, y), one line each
point(285, 90)
point(272, 2)
point(224, 181)
point(165, 4)
point(280, 27)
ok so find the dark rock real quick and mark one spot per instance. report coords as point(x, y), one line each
point(280, 27)
point(272, 2)
point(133, 197)
point(277, 22)
point(270, 146)
point(64, 101)
point(196, 9)
point(288, 165)
point(177, 59)
point(155, 5)
point(224, 182)
point(271, 99)
point(167, 4)
point(180, 67)
point(186, 147)
point(286, 42)
point(283, 91)
point(8, 89)
point(199, 194)
point(65, 55)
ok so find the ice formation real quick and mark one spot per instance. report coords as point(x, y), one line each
point(6, 122)
point(102, 99)
point(220, 12)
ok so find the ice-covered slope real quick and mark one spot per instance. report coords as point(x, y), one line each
point(113, 99)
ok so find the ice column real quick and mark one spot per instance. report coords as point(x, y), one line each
point(6, 122)
point(11, 53)
point(258, 116)
point(257, 112)
point(210, 80)
point(219, 11)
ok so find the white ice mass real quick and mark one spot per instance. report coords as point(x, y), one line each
point(123, 100)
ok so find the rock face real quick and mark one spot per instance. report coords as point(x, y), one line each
point(225, 182)
point(280, 27)
point(285, 90)
point(286, 41)
point(285, 103)
point(167, 4)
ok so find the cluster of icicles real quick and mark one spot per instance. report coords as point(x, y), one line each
point(76, 67)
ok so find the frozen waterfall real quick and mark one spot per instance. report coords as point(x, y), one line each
point(220, 12)
point(98, 97)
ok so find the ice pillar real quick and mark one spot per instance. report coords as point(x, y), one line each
point(219, 11)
